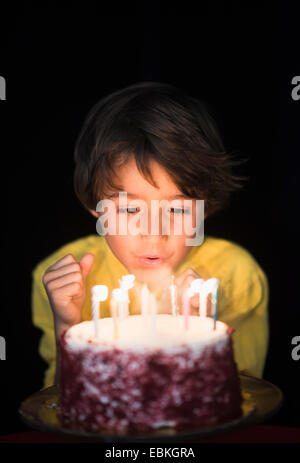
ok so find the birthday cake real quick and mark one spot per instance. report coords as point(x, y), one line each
point(147, 378)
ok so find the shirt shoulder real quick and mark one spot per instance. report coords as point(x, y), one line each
point(225, 257)
point(239, 273)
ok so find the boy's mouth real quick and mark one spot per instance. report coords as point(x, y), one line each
point(151, 260)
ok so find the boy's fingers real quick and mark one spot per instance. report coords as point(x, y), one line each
point(194, 301)
point(73, 277)
point(64, 293)
point(58, 273)
point(189, 272)
point(86, 264)
point(68, 259)
point(67, 265)
point(186, 283)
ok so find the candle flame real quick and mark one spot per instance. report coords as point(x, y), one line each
point(119, 295)
point(100, 292)
point(129, 277)
point(126, 282)
point(209, 286)
point(196, 284)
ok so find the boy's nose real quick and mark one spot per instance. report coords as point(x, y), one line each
point(154, 238)
point(157, 227)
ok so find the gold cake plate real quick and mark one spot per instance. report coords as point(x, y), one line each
point(261, 400)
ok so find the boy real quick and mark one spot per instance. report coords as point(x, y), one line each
point(151, 142)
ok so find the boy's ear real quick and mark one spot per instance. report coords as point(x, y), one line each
point(94, 213)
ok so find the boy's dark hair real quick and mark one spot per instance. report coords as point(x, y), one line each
point(150, 120)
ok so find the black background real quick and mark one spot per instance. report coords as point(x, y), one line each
point(59, 61)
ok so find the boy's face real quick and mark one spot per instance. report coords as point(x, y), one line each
point(150, 257)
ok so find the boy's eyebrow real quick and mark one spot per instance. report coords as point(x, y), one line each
point(133, 195)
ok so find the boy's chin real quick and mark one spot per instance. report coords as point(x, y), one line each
point(153, 277)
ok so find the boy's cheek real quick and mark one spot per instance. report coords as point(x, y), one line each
point(181, 250)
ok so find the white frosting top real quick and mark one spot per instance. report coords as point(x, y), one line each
point(136, 333)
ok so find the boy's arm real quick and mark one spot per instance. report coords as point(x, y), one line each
point(247, 312)
point(42, 317)
point(57, 300)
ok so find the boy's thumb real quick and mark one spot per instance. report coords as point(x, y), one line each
point(86, 264)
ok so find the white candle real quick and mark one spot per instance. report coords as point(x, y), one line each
point(209, 286)
point(196, 288)
point(196, 285)
point(128, 279)
point(95, 310)
point(126, 283)
point(121, 299)
point(153, 312)
point(173, 291)
point(99, 293)
point(187, 294)
point(144, 296)
point(144, 299)
point(114, 314)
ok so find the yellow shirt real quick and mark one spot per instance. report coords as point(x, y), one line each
point(243, 294)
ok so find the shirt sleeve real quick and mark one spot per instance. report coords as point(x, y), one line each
point(247, 312)
point(42, 318)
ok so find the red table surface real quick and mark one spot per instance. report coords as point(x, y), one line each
point(251, 434)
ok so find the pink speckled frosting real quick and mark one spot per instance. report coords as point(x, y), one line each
point(183, 379)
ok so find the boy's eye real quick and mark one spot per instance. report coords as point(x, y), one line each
point(178, 210)
point(134, 210)
point(129, 210)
